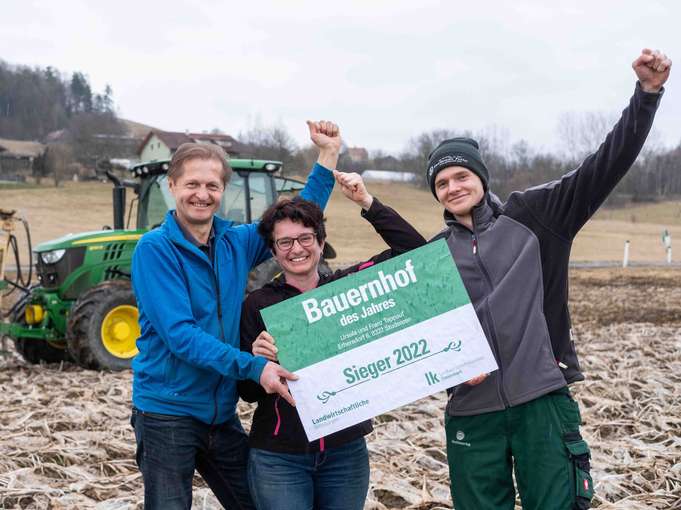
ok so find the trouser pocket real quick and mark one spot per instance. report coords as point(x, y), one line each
point(579, 455)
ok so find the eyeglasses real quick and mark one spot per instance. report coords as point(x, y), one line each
point(305, 240)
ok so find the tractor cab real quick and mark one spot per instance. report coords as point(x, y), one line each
point(252, 189)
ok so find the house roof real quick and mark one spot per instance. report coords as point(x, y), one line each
point(174, 139)
point(20, 148)
point(133, 130)
point(137, 129)
point(56, 136)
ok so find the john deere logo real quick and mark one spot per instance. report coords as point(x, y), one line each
point(460, 435)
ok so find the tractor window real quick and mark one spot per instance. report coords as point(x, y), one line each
point(233, 206)
point(234, 200)
point(159, 202)
point(261, 193)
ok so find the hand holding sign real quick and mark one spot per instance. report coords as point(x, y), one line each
point(273, 380)
point(476, 380)
point(264, 346)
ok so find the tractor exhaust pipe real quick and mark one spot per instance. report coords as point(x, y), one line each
point(118, 201)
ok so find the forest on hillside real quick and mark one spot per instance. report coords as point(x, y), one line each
point(35, 102)
point(79, 125)
point(47, 105)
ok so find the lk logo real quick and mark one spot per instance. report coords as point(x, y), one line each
point(432, 378)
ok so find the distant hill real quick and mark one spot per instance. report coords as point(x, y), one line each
point(137, 129)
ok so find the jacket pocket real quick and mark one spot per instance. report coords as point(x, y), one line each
point(579, 455)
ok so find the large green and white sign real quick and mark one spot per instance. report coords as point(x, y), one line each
point(379, 339)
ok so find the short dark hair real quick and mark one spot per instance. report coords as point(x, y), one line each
point(191, 150)
point(296, 209)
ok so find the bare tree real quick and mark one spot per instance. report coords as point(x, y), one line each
point(96, 136)
point(57, 160)
point(581, 133)
point(271, 143)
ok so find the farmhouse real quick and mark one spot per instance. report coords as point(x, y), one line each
point(17, 159)
point(159, 144)
point(358, 154)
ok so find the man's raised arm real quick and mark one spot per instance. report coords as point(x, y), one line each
point(565, 205)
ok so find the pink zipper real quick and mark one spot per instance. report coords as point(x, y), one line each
point(321, 444)
point(276, 410)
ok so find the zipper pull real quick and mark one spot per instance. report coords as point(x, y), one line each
point(475, 245)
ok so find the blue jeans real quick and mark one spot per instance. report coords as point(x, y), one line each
point(169, 448)
point(335, 479)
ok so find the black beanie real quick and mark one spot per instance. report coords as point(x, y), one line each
point(460, 151)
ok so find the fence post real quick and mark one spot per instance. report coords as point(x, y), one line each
point(625, 259)
point(667, 241)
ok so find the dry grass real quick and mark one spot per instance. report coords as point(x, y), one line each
point(65, 440)
point(80, 207)
point(53, 212)
point(604, 240)
point(668, 213)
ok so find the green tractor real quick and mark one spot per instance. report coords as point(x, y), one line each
point(83, 308)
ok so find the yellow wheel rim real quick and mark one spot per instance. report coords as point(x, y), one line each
point(120, 330)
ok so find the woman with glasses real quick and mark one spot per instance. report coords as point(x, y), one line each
point(285, 470)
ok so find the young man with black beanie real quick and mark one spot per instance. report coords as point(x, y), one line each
point(513, 258)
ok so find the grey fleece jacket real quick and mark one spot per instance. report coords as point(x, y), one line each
point(514, 264)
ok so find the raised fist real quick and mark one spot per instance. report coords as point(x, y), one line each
point(325, 135)
point(652, 69)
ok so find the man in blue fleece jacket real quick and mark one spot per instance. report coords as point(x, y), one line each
point(189, 277)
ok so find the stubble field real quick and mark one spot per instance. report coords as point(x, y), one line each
point(65, 440)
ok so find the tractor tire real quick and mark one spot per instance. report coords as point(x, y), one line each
point(269, 270)
point(102, 329)
point(262, 274)
point(35, 351)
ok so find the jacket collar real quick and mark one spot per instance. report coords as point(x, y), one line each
point(173, 230)
point(483, 214)
point(279, 283)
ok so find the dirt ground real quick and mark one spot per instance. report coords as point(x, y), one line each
point(65, 440)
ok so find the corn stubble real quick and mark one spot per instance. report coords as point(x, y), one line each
point(66, 441)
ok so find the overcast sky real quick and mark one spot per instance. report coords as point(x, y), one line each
point(384, 70)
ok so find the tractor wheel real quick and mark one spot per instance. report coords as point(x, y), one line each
point(269, 270)
point(34, 350)
point(102, 330)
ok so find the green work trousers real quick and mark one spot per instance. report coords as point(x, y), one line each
point(540, 440)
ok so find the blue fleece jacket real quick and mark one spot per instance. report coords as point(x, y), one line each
point(189, 310)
